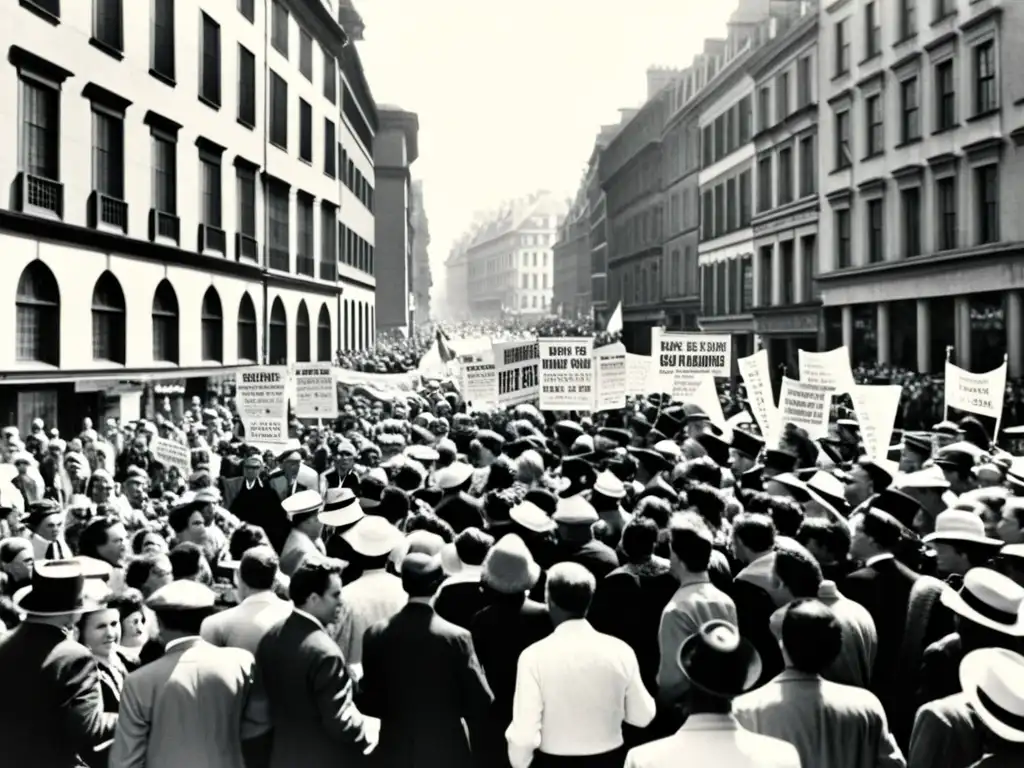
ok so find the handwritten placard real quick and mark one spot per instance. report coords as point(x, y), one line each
point(566, 374)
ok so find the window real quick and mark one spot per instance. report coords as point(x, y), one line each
point(525, 282)
point(210, 181)
point(876, 128)
point(745, 119)
point(876, 232)
point(764, 184)
point(40, 143)
point(944, 8)
point(781, 96)
point(304, 261)
point(842, 46)
point(165, 174)
point(764, 108)
point(37, 328)
point(908, 18)
point(212, 327)
point(872, 30)
point(746, 199)
point(247, 8)
point(910, 120)
point(328, 242)
point(108, 320)
point(945, 95)
point(731, 210)
point(803, 82)
point(808, 264)
point(946, 199)
point(911, 221)
point(707, 146)
point(302, 340)
point(330, 148)
point(844, 152)
point(165, 324)
point(163, 39)
point(986, 180)
point(279, 28)
point(278, 111)
point(707, 216)
point(246, 87)
point(986, 99)
point(787, 274)
point(323, 336)
point(785, 176)
point(719, 210)
point(720, 148)
point(248, 347)
point(245, 179)
point(330, 78)
point(108, 25)
point(278, 334)
point(279, 232)
point(209, 84)
point(305, 131)
point(305, 55)
point(808, 166)
point(107, 153)
point(765, 275)
point(844, 254)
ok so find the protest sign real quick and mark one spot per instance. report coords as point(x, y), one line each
point(566, 374)
point(610, 377)
point(638, 374)
point(684, 385)
point(757, 381)
point(805, 405)
point(706, 396)
point(691, 353)
point(316, 393)
point(827, 369)
point(517, 364)
point(480, 384)
point(980, 393)
point(172, 454)
point(876, 407)
point(262, 403)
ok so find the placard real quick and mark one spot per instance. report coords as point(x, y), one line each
point(876, 407)
point(638, 374)
point(172, 453)
point(316, 391)
point(610, 378)
point(262, 404)
point(566, 374)
point(691, 353)
point(807, 406)
point(480, 384)
point(980, 393)
point(757, 381)
point(827, 369)
point(517, 364)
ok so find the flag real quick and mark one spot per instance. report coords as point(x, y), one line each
point(615, 321)
point(444, 351)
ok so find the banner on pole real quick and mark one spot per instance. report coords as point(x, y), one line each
point(262, 403)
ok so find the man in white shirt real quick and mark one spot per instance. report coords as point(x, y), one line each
point(576, 687)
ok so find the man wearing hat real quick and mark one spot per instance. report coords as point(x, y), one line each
point(719, 666)
point(743, 452)
point(416, 652)
point(46, 522)
point(574, 518)
point(341, 474)
point(302, 509)
point(291, 475)
point(166, 724)
point(251, 499)
point(993, 681)
point(457, 507)
point(53, 710)
point(606, 497)
point(916, 450)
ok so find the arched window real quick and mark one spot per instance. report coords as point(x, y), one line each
point(278, 333)
point(108, 320)
point(368, 336)
point(38, 315)
point(248, 348)
point(360, 338)
point(302, 334)
point(323, 336)
point(165, 324)
point(213, 326)
point(348, 324)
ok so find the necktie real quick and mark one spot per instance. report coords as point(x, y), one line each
point(52, 551)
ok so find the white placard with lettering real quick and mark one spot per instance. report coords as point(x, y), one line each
point(566, 374)
point(807, 406)
point(262, 403)
point(316, 391)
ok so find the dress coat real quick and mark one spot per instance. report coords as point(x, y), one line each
point(244, 625)
point(295, 549)
point(52, 710)
point(310, 697)
point(421, 677)
point(947, 734)
point(259, 505)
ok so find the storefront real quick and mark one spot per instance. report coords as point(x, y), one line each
point(786, 330)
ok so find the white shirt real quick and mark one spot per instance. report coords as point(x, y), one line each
point(878, 558)
point(574, 689)
point(375, 596)
point(178, 641)
point(250, 484)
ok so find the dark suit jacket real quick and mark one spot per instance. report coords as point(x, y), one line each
point(421, 677)
point(940, 669)
point(459, 602)
point(754, 609)
point(52, 709)
point(461, 511)
point(351, 481)
point(598, 558)
point(30, 490)
point(258, 506)
point(310, 694)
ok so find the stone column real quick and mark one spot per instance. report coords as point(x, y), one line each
point(1014, 328)
point(963, 332)
point(848, 328)
point(884, 333)
point(801, 292)
point(924, 336)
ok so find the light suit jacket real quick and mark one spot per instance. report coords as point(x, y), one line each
point(947, 734)
point(244, 625)
point(295, 549)
point(191, 708)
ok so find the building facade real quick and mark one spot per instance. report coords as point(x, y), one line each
point(455, 306)
point(196, 210)
point(598, 216)
point(787, 310)
point(571, 260)
point(396, 148)
point(921, 120)
point(422, 281)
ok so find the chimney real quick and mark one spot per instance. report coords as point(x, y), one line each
point(658, 78)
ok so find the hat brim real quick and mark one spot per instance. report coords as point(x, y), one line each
point(610, 494)
point(508, 587)
point(25, 593)
point(368, 503)
point(745, 651)
point(952, 600)
point(963, 538)
point(348, 515)
point(362, 546)
point(972, 670)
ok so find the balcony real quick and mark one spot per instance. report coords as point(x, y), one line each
point(246, 248)
point(277, 258)
point(212, 240)
point(328, 271)
point(305, 265)
point(39, 196)
point(106, 212)
point(164, 226)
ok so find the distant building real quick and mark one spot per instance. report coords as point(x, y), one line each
point(395, 150)
point(571, 259)
point(422, 281)
point(598, 214)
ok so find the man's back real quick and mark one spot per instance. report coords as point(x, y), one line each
point(244, 625)
point(715, 740)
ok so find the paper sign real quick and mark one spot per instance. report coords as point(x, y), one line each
point(706, 396)
point(517, 364)
point(876, 407)
point(827, 369)
point(980, 393)
point(805, 405)
point(566, 374)
point(610, 378)
point(691, 353)
point(638, 374)
point(316, 391)
point(172, 453)
point(757, 381)
point(480, 384)
point(262, 404)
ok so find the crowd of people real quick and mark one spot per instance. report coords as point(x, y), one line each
point(415, 584)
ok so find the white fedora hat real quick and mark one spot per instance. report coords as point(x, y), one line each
point(993, 682)
point(959, 525)
point(990, 600)
point(607, 484)
point(373, 536)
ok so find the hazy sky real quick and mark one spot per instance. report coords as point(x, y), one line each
point(510, 95)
